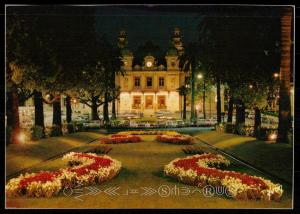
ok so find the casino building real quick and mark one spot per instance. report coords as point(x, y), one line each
point(151, 87)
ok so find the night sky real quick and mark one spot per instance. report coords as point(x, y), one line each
point(142, 25)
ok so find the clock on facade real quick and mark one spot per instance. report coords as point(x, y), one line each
point(149, 64)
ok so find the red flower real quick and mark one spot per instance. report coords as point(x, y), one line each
point(99, 163)
point(191, 163)
point(118, 138)
point(42, 177)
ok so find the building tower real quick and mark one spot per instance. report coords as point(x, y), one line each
point(172, 59)
point(126, 53)
point(177, 41)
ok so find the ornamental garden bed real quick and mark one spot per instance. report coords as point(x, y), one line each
point(84, 169)
point(192, 150)
point(99, 150)
point(121, 138)
point(205, 169)
point(149, 132)
point(175, 139)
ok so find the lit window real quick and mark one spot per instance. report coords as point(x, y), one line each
point(161, 101)
point(137, 82)
point(161, 81)
point(149, 81)
point(149, 102)
point(136, 102)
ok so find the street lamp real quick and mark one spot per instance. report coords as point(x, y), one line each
point(276, 75)
point(200, 76)
point(250, 86)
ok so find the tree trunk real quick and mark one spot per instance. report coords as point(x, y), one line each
point(184, 107)
point(95, 115)
point(230, 110)
point(12, 113)
point(240, 113)
point(219, 119)
point(68, 109)
point(105, 108)
point(257, 122)
point(204, 110)
point(57, 113)
point(285, 75)
point(113, 109)
point(181, 109)
point(193, 95)
point(38, 109)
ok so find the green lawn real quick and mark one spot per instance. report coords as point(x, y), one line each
point(271, 157)
point(22, 156)
point(143, 168)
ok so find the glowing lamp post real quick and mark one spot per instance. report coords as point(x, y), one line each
point(200, 76)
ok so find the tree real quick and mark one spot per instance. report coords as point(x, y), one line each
point(212, 55)
point(27, 54)
point(49, 53)
point(96, 85)
point(226, 55)
point(285, 76)
point(188, 62)
point(183, 91)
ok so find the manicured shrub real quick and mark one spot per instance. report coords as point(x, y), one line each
point(100, 150)
point(220, 127)
point(249, 131)
point(192, 150)
point(37, 132)
point(56, 131)
point(70, 127)
point(229, 128)
point(240, 129)
point(79, 127)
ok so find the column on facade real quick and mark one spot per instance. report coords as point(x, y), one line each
point(155, 101)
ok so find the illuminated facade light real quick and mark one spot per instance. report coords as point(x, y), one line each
point(276, 75)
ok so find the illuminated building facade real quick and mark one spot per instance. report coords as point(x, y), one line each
point(150, 87)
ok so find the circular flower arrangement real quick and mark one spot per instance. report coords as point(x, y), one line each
point(201, 170)
point(149, 132)
point(121, 138)
point(175, 139)
point(84, 169)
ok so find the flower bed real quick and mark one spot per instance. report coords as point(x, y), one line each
point(121, 138)
point(201, 170)
point(175, 139)
point(149, 132)
point(85, 169)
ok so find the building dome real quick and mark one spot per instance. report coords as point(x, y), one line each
point(137, 67)
point(161, 67)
